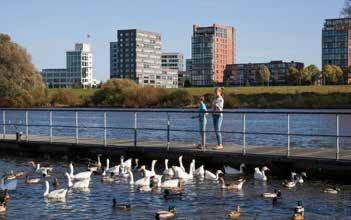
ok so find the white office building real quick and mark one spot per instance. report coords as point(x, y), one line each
point(168, 79)
point(172, 61)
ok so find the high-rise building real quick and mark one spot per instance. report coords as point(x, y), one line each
point(172, 61)
point(78, 72)
point(213, 47)
point(188, 65)
point(245, 73)
point(138, 56)
point(113, 59)
point(80, 65)
point(336, 42)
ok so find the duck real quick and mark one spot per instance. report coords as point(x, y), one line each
point(298, 177)
point(9, 185)
point(232, 171)
point(276, 193)
point(170, 214)
point(299, 212)
point(56, 183)
point(332, 190)
point(3, 207)
point(170, 194)
point(109, 169)
point(236, 184)
point(79, 176)
point(260, 174)
point(289, 183)
point(59, 194)
point(212, 176)
point(95, 167)
point(82, 184)
point(32, 181)
point(235, 214)
point(5, 196)
point(121, 206)
point(168, 171)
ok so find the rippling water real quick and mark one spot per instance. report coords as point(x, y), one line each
point(201, 199)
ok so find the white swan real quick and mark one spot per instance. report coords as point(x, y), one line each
point(144, 181)
point(212, 176)
point(173, 183)
point(79, 176)
point(56, 194)
point(131, 180)
point(96, 166)
point(82, 184)
point(179, 173)
point(110, 170)
point(9, 185)
point(167, 171)
point(149, 173)
point(232, 171)
point(199, 172)
point(260, 174)
point(298, 177)
point(180, 158)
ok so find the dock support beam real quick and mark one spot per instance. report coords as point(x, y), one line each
point(288, 150)
point(77, 129)
point(168, 131)
point(27, 126)
point(105, 129)
point(244, 134)
point(135, 129)
point(4, 124)
point(337, 138)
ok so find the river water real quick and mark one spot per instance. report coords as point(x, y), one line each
point(201, 199)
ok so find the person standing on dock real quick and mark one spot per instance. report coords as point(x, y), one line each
point(202, 122)
point(217, 115)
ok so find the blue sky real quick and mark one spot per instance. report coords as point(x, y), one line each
point(265, 29)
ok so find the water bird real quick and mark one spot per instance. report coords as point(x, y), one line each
point(42, 168)
point(212, 176)
point(298, 177)
point(149, 173)
point(59, 194)
point(199, 172)
point(260, 174)
point(95, 167)
point(233, 171)
point(108, 178)
point(179, 173)
point(79, 176)
point(3, 207)
point(173, 183)
point(236, 184)
point(32, 180)
point(82, 184)
point(299, 212)
point(109, 169)
point(332, 190)
point(136, 166)
point(181, 167)
point(116, 205)
point(170, 214)
point(170, 194)
point(235, 214)
point(275, 194)
point(168, 171)
point(56, 183)
point(5, 196)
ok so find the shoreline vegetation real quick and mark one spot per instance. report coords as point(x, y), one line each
point(127, 94)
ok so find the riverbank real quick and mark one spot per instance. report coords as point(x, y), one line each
point(235, 97)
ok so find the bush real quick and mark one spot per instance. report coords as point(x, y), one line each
point(65, 97)
point(178, 98)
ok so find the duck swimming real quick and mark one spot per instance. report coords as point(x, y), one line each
point(3, 207)
point(236, 184)
point(5, 196)
point(235, 214)
point(298, 177)
point(299, 212)
point(32, 181)
point(170, 214)
point(332, 190)
point(121, 206)
point(276, 193)
point(170, 194)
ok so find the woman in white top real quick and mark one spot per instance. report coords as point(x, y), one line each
point(217, 108)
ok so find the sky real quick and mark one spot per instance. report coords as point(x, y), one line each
point(265, 29)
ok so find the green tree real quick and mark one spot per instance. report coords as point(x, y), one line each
point(312, 74)
point(20, 83)
point(263, 74)
point(294, 76)
point(332, 74)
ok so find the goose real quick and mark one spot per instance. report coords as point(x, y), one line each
point(298, 177)
point(199, 172)
point(56, 194)
point(109, 169)
point(171, 213)
point(235, 214)
point(173, 183)
point(149, 173)
point(82, 184)
point(232, 171)
point(211, 176)
point(9, 185)
point(95, 166)
point(3, 207)
point(32, 181)
point(237, 184)
point(274, 194)
point(330, 190)
point(260, 174)
point(168, 171)
point(119, 206)
point(79, 176)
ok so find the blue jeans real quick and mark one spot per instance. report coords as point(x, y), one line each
point(202, 126)
point(217, 124)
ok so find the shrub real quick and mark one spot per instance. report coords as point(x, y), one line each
point(65, 97)
point(178, 98)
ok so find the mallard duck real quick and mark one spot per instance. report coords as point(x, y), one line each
point(236, 184)
point(276, 193)
point(120, 205)
point(170, 214)
point(3, 207)
point(170, 194)
point(331, 190)
point(260, 174)
point(235, 214)
point(32, 181)
point(299, 212)
point(289, 184)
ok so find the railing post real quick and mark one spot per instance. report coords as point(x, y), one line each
point(4, 124)
point(27, 128)
point(50, 125)
point(77, 129)
point(204, 134)
point(288, 150)
point(135, 128)
point(105, 129)
point(244, 133)
point(337, 137)
point(168, 131)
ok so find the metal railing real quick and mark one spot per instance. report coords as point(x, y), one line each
point(169, 129)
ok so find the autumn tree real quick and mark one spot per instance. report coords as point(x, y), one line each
point(263, 74)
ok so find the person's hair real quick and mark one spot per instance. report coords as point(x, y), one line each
point(201, 99)
point(221, 89)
